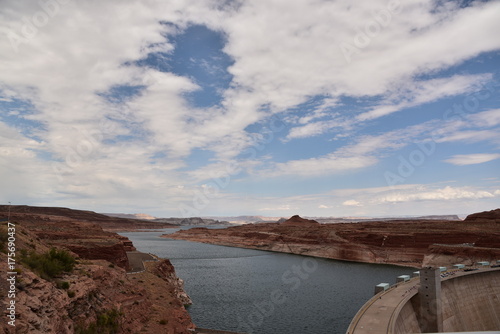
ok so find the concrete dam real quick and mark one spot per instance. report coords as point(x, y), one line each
point(438, 300)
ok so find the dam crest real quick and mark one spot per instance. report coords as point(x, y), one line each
point(437, 300)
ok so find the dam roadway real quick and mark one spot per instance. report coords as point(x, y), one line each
point(470, 302)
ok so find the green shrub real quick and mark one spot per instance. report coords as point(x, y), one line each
point(50, 264)
point(3, 239)
point(108, 322)
point(163, 322)
point(71, 293)
point(63, 285)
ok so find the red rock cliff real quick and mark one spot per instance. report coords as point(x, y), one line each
point(148, 302)
point(404, 242)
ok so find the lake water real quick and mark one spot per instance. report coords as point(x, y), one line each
point(264, 292)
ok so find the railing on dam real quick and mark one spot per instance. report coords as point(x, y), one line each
point(380, 314)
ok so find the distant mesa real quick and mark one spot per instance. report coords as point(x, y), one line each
point(492, 216)
point(298, 221)
point(193, 221)
point(141, 216)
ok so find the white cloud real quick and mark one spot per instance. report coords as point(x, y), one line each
point(290, 55)
point(443, 194)
point(472, 159)
point(417, 93)
point(489, 118)
point(351, 202)
point(366, 151)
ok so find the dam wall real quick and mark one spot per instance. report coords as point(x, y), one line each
point(469, 302)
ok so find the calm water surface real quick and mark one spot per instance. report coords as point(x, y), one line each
point(264, 292)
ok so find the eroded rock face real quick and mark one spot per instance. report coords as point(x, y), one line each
point(84, 238)
point(443, 255)
point(299, 221)
point(403, 242)
point(165, 270)
point(149, 302)
point(492, 216)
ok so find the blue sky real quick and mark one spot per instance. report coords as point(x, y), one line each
point(310, 107)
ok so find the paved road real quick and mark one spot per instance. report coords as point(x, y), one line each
point(136, 259)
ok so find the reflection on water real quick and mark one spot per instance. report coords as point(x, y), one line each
point(264, 292)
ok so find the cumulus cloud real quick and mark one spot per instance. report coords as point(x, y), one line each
point(71, 143)
point(447, 193)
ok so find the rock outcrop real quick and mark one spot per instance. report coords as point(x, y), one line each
point(403, 242)
point(104, 221)
point(299, 221)
point(489, 217)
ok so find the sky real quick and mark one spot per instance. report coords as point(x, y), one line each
point(210, 108)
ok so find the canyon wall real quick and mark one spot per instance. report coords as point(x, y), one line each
point(405, 243)
point(96, 290)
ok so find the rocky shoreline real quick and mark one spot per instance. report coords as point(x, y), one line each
point(412, 243)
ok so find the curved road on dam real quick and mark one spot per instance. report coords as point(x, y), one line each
point(380, 313)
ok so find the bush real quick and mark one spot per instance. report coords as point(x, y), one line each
point(71, 293)
point(3, 239)
point(63, 285)
point(108, 322)
point(50, 264)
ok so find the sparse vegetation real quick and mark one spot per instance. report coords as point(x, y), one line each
point(71, 293)
point(108, 322)
point(163, 322)
point(50, 264)
point(3, 239)
point(63, 285)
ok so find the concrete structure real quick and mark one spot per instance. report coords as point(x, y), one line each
point(459, 266)
point(470, 303)
point(403, 278)
point(483, 263)
point(431, 313)
point(442, 269)
point(416, 274)
point(381, 287)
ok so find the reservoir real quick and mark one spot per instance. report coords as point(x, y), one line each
point(263, 292)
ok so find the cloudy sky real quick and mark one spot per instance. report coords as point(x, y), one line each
point(273, 108)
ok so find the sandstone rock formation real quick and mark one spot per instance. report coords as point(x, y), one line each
point(148, 302)
point(299, 221)
point(104, 221)
point(399, 242)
